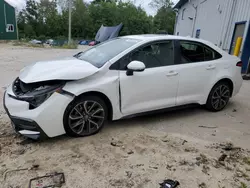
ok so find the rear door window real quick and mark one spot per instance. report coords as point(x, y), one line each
point(192, 52)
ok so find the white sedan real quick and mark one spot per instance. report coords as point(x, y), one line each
point(122, 77)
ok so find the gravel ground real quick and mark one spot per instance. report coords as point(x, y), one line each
point(141, 152)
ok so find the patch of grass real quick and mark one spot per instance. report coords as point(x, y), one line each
point(35, 45)
point(73, 45)
point(18, 43)
point(246, 160)
point(242, 185)
point(27, 44)
point(69, 46)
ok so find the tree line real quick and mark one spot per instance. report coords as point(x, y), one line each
point(49, 18)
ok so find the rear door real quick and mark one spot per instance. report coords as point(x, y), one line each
point(197, 68)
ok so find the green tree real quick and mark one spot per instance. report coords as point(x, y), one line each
point(28, 31)
point(32, 16)
point(164, 19)
point(49, 18)
point(82, 24)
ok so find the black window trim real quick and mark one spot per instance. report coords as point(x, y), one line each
point(116, 65)
point(199, 43)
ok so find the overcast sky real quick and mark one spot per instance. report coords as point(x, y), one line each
point(144, 3)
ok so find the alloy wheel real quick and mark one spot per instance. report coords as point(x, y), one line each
point(86, 117)
point(220, 97)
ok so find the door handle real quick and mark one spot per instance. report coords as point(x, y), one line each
point(210, 67)
point(172, 73)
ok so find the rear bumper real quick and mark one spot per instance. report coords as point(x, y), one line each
point(237, 84)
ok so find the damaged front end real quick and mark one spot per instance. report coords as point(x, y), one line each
point(36, 93)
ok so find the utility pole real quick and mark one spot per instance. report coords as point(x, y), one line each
point(70, 10)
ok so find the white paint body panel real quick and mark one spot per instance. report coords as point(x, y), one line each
point(151, 89)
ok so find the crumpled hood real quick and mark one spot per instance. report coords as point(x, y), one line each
point(66, 69)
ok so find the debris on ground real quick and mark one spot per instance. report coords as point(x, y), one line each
point(208, 127)
point(184, 141)
point(202, 159)
point(234, 110)
point(202, 185)
point(49, 180)
point(33, 167)
point(130, 152)
point(154, 167)
point(129, 174)
point(183, 162)
point(191, 149)
point(165, 139)
point(169, 184)
point(169, 167)
point(228, 146)
point(222, 157)
point(205, 169)
point(116, 143)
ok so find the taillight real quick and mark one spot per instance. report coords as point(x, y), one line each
point(239, 64)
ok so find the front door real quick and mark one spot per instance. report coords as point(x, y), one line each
point(155, 87)
point(238, 32)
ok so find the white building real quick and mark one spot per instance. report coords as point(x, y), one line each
point(218, 21)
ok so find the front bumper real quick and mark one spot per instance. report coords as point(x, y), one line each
point(43, 121)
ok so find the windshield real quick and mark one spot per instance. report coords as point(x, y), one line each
point(103, 52)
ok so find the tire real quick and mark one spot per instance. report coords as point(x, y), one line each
point(85, 116)
point(218, 97)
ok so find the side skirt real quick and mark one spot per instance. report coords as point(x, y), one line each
point(162, 110)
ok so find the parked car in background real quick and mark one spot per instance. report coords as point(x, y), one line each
point(49, 42)
point(120, 78)
point(35, 41)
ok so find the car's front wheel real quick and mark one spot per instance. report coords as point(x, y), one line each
point(85, 116)
point(218, 97)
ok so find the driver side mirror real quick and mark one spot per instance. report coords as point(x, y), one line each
point(135, 66)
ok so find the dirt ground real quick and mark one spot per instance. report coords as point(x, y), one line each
point(185, 145)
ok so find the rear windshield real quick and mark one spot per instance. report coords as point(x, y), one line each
point(100, 54)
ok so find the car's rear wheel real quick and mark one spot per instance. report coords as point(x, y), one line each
point(218, 97)
point(85, 116)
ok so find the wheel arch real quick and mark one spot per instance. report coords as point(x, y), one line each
point(227, 80)
point(103, 97)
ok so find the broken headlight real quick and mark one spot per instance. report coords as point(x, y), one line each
point(36, 93)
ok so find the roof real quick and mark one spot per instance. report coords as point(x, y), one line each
point(151, 37)
point(154, 37)
point(180, 3)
